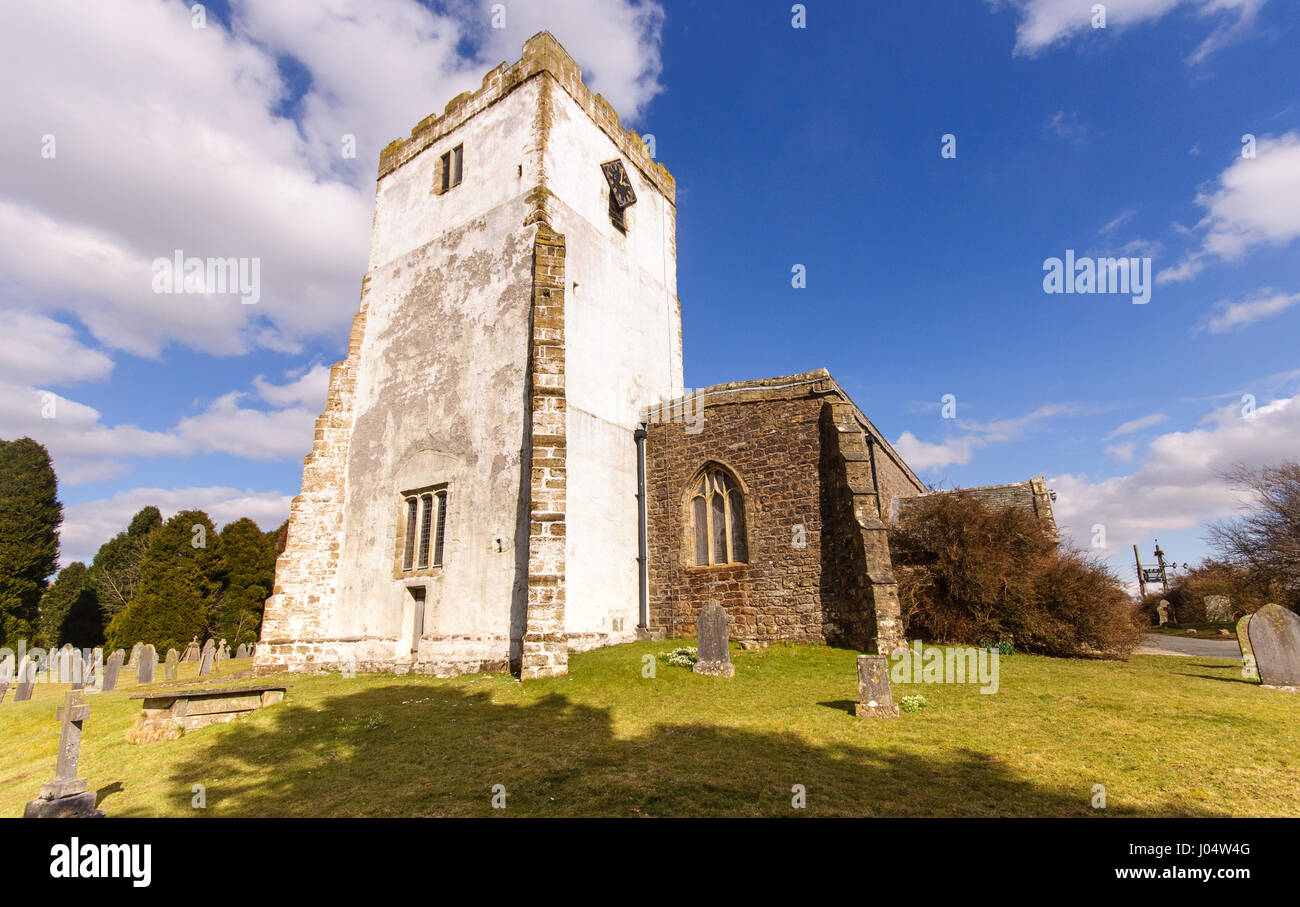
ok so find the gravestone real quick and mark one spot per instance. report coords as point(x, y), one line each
point(1248, 669)
point(70, 666)
point(112, 668)
point(207, 658)
point(148, 661)
point(714, 656)
point(7, 671)
point(241, 651)
point(191, 651)
point(1218, 609)
point(26, 680)
point(875, 697)
point(223, 652)
point(135, 655)
point(173, 661)
point(66, 796)
point(1162, 613)
point(90, 672)
point(1275, 642)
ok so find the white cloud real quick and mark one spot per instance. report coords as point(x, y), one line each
point(1121, 452)
point(925, 455)
point(1229, 316)
point(1178, 484)
point(226, 427)
point(1136, 425)
point(1045, 23)
point(205, 160)
point(39, 350)
point(88, 525)
point(1255, 201)
point(308, 390)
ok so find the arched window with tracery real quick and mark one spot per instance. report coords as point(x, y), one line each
point(718, 519)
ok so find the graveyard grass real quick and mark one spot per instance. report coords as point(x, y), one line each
point(1164, 735)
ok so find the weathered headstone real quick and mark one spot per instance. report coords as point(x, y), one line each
point(26, 680)
point(135, 655)
point(90, 672)
point(1275, 642)
point(148, 661)
point(875, 698)
point(70, 666)
point(112, 668)
point(191, 651)
point(241, 651)
point(66, 796)
point(207, 658)
point(1218, 609)
point(1162, 613)
point(7, 671)
point(173, 660)
point(1248, 669)
point(714, 657)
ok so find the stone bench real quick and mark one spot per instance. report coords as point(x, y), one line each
point(187, 709)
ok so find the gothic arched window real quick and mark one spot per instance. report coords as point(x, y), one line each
point(718, 519)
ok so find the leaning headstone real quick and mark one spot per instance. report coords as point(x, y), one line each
point(112, 668)
point(875, 698)
point(90, 671)
point(1162, 613)
point(191, 651)
point(206, 659)
point(1218, 609)
point(714, 656)
point(241, 651)
point(173, 661)
point(66, 796)
point(1275, 642)
point(148, 661)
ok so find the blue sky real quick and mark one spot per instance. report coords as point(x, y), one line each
point(816, 146)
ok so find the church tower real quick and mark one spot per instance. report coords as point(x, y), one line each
point(470, 501)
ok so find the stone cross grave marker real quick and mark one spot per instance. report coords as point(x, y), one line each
point(1275, 642)
point(875, 697)
point(173, 660)
point(714, 656)
point(66, 795)
point(207, 659)
point(112, 668)
point(148, 661)
point(26, 680)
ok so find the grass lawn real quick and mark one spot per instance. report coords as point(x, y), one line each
point(1165, 735)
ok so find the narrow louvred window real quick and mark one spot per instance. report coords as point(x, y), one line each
point(440, 534)
point(412, 524)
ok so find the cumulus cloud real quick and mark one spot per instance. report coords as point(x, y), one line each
point(1254, 202)
point(1045, 23)
point(39, 350)
point(88, 525)
point(230, 155)
point(1179, 483)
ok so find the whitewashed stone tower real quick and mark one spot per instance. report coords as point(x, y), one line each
point(470, 500)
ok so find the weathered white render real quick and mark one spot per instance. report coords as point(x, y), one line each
point(509, 336)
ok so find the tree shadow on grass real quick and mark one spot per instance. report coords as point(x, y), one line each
point(441, 751)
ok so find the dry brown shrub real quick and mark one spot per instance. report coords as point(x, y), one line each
point(969, 574)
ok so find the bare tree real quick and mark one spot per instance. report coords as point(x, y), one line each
point(1266, 540)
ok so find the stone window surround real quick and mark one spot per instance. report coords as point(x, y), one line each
point(687, 547)
point(437, 490)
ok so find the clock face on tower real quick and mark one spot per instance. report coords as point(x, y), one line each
point(620, 187)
